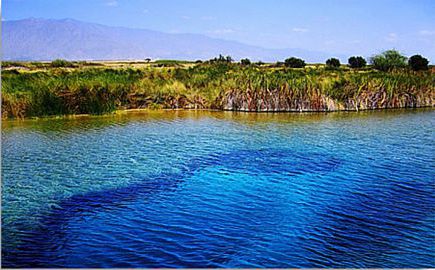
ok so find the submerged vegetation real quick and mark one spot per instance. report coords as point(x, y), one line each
point(61, 88)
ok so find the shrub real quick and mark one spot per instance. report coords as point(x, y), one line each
point(388, 60)
point(61, 63)
point(221, 59)
point(245, 62)
point(7, 64)
point(418, 62)
point(357, 62)
point(333, 63)
point(294, 62)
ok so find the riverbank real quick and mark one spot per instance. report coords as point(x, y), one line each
point(98, 89)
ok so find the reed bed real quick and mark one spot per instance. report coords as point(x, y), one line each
point(97, 90)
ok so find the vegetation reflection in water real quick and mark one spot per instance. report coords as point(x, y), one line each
point(220, 189)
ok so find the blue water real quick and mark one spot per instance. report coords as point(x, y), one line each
point(220, 189)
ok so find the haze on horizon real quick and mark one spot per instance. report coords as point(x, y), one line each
point(334, 26)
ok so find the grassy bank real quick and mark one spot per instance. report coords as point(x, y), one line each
point(39, 89)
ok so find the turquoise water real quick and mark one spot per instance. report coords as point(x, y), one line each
point(220, 189)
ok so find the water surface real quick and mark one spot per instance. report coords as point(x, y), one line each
point(220, 189)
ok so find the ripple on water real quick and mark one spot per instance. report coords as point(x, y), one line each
point(220, 191)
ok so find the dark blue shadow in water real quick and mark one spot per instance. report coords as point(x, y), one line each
point(366, 226)
point(41, 242)
point(378, 225)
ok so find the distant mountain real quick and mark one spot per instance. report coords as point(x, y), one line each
point(46, 39)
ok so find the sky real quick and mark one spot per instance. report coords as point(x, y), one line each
point(362, 27)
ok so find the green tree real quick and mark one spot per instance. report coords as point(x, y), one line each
point(245, 62)
point(222, 59)
point(357, 62)
point(294, 62)
point(418, 62)
point(333, 63)
point(388, 60)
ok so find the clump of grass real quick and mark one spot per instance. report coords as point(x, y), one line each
point(62, 63)
point(99, 90)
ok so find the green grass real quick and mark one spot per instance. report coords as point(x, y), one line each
point(48, 91)
point(168, 61)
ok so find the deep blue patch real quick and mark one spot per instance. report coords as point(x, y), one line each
point(41, 244)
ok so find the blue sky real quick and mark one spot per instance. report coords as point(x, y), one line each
point(338, 26)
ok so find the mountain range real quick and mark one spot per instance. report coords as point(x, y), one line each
point(48, 39)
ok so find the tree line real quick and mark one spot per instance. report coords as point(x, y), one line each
point(386, 61)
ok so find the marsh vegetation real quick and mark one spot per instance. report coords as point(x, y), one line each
point(62, 87)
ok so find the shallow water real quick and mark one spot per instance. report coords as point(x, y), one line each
point(220, 189)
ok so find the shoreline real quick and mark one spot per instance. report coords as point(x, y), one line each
point(121, 112)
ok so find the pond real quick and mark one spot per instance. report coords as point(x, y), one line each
point(220, 189)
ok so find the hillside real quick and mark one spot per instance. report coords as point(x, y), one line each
point(43, 39)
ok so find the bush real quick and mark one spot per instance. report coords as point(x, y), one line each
point(61, 63)
point(221, 59)
point(294, 62)
point(7, 64)
point(388, 60)
point(333, 63)
point(418, 62)
point(245, 62)
point(357, 62)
